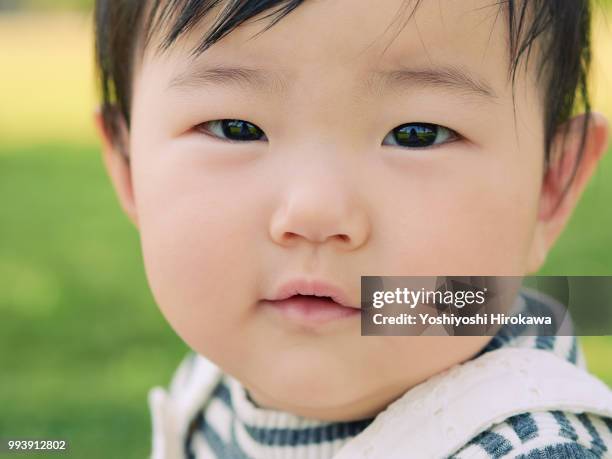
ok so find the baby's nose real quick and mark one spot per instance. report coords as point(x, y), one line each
point(320, 211)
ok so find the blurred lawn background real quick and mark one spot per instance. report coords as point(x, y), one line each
point(81, 339)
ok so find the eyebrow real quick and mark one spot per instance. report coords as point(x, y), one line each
point(230, 76)
point(452, 78)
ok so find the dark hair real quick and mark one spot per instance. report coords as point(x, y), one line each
point(560, 28)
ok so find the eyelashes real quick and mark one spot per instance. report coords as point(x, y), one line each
point(413, 135)
point(232, 130)
point(420, 135)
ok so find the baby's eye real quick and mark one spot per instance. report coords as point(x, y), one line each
point(233, 130)
point(419, 135)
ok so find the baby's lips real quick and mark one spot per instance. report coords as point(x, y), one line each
point(314, 287)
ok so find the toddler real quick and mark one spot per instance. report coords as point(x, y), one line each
point(271, 152)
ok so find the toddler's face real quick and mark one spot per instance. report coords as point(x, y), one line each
point(345, 161)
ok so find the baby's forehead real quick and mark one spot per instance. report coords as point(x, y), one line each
point(449, 43)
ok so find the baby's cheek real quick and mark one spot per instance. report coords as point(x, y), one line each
point(469, 229)
point(196, 264)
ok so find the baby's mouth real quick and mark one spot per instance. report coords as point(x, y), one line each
point(312, 309)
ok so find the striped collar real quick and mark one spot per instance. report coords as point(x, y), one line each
point(232, 423)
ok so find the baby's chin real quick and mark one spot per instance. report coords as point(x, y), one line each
point(319, 390)
point(326, 402)
point(338, 381)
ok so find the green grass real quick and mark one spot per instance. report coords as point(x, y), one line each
point(81, 340)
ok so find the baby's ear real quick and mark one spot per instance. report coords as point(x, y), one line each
point(115, 154)
point(565, 179)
